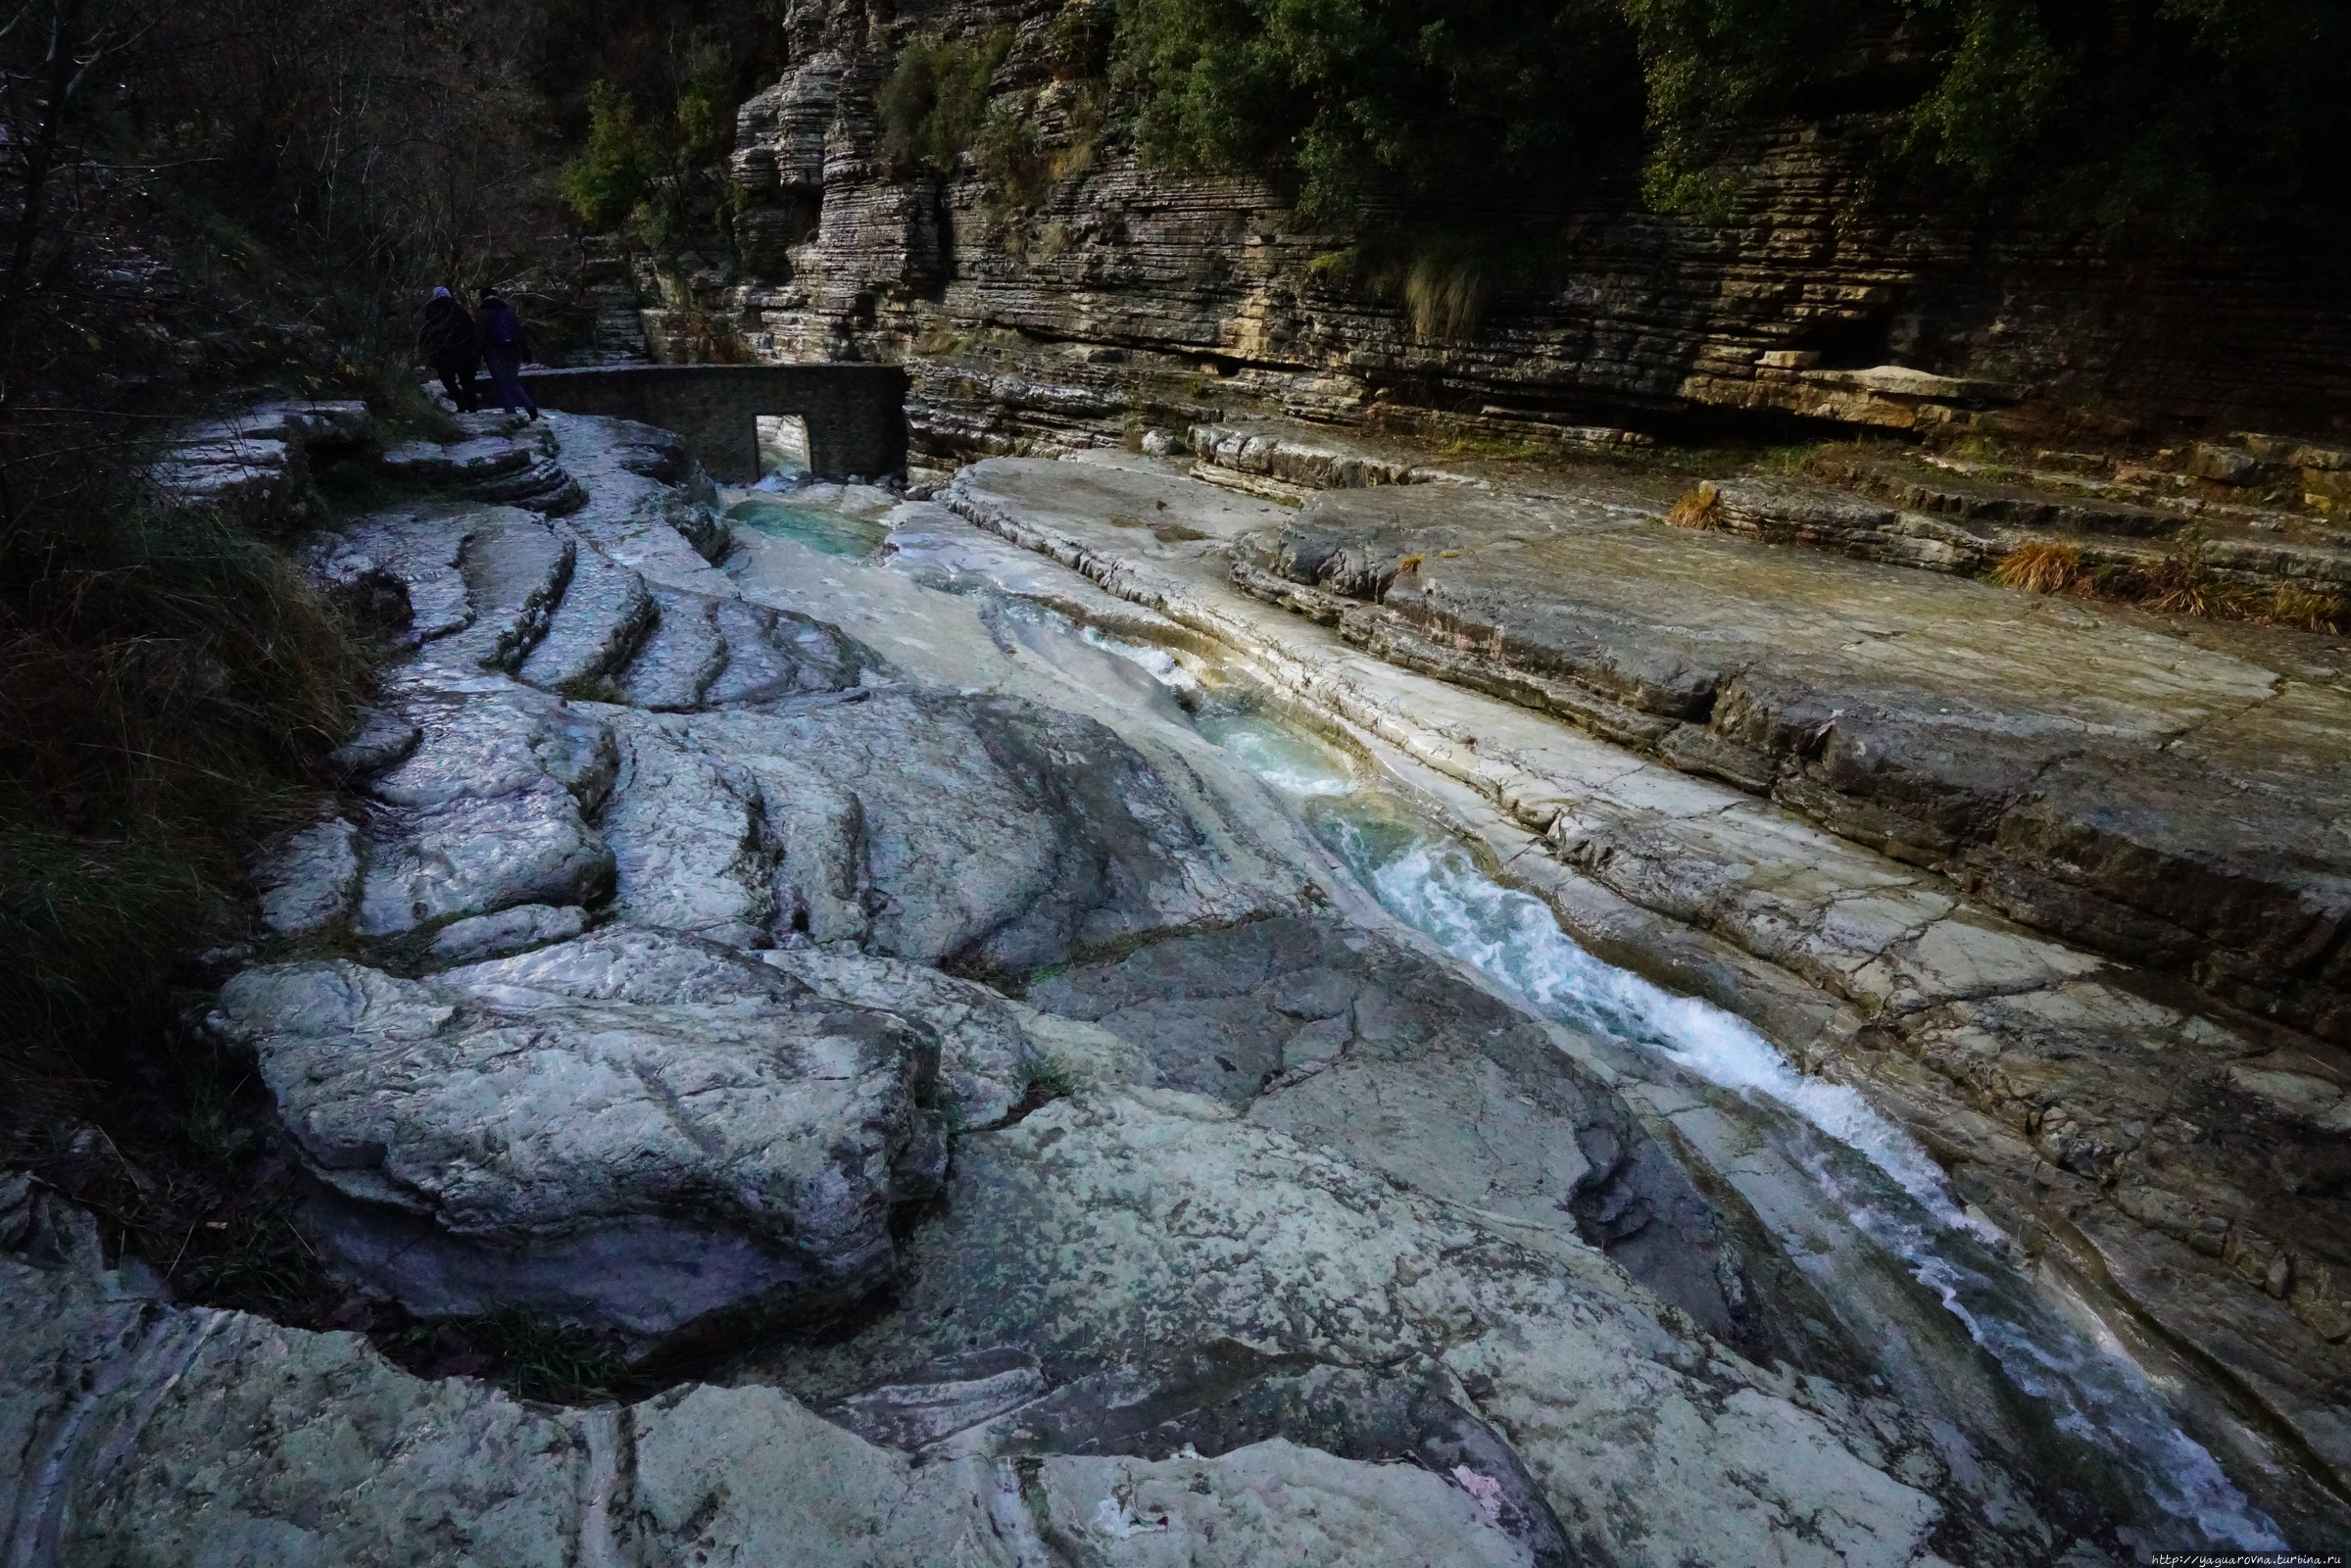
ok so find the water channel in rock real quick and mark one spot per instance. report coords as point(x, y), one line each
point(1955, 1322)
point(1891, 1194)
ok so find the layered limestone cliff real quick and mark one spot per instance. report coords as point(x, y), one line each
point(1121, 295)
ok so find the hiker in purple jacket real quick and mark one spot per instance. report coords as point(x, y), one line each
point(504, 348)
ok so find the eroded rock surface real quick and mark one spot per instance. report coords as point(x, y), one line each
point(1180, 1273)
point(1262, 1233)
point(142, 1433)
point(631, 1129)
point(1344, 1039)
point(2144, 1170)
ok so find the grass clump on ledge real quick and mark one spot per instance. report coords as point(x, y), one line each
point(1699, 510)
point(2039, 568)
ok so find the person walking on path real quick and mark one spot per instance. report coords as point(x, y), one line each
point(449, 345)
point(505, 348)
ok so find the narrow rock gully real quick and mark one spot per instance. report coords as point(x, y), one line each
point(1050, 1038)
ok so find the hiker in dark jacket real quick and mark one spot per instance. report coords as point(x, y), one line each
point(504, 348)
point(448, 345)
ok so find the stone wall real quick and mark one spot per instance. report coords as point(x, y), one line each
point(1126, 293)
point(855, 414)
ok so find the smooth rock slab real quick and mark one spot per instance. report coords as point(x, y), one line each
point(1348, 1042)
point(632, 1130)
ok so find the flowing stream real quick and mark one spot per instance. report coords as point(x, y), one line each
point(1892, 1194)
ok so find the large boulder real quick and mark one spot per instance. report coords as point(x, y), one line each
point(635, 1130)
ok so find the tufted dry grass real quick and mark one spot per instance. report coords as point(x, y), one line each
point(2039, 568)
point(1701, 510)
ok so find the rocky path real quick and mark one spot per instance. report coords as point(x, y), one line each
point(861, 993)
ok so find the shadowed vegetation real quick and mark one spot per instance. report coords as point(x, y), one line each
point(2172, 117)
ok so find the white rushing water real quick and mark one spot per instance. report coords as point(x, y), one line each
point(2092, 1390)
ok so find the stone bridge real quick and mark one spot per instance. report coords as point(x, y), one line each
point(855, 414)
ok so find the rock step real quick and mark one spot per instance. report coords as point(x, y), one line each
point(2083, 777)
point(254, 466)
point(1286, 461)
point(502, 469)
point(1972, 543)
point(595, 629)
point(775, 652)
point(681, 657)
point(1978, 494)
point(516, 568)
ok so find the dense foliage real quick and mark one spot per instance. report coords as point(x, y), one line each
point(648, 99)
point(2176, 114)
point(1420, 99)
point(935, 102)
point(664, 177)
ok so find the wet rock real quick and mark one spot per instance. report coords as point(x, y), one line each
point(680, 659)
point(1828, 947)
point(773, 653)
point(632, 1129)
point(2086, 775)
point(383, 740)
point(605, 616)
point(1345, 1040)
point(506, 469)
point(487, 814)
point(982, 831)
point(693, 848)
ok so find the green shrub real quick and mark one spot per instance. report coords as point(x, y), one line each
point(606, 182)
point(1010, 158)
point(936, 100)
point(664, 177)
